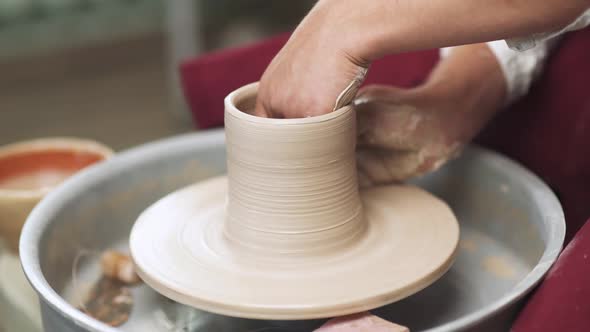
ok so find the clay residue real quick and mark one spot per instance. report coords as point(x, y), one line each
point(110, 301)
point(468, 245)
point(499, 267)
point(504, 188)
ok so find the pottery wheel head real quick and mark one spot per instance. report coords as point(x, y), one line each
point(287, 234)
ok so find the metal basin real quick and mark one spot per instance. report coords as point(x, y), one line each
point(512, 231)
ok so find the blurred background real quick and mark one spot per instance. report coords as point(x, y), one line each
point(107, 69)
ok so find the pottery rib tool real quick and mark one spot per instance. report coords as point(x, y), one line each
point(347, 95)
point(287, 234)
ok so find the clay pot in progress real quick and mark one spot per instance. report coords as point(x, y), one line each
point(287, 234)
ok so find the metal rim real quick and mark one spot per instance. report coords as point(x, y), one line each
point(553, 218)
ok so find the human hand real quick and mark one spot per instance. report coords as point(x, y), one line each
point(321, 60)
point(335, 43)
point(403, 133)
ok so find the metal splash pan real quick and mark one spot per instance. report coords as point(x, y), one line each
point(512, 230)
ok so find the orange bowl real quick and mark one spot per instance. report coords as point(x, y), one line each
point(31, 169)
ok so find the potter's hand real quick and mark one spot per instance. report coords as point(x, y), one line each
point(408, 132)
point(320, 60)
point(405, 133)
point(339, 38)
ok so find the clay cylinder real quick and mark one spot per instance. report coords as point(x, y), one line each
point(292, 182)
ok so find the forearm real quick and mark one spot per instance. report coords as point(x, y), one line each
point(472, 78)
point(372, 29)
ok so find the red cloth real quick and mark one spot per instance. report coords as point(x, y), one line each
point(548, 131)
point(552, 130)
point(206, 80)
point(562, 302)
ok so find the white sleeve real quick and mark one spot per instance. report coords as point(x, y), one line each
point(522, 44)
point(522, 60)
point(520, 68)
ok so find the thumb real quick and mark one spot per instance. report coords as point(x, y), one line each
point(381, 93)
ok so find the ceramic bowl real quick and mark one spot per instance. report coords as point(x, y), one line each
point(31, 169)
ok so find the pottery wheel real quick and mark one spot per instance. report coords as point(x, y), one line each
point(180, 251)
point(225, 246)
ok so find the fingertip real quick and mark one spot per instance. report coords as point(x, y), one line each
point(372, 91)
point(379, 93)
point(364, 90)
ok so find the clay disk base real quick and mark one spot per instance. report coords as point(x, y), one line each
point(180, 250)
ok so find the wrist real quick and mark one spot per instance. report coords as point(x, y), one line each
point(355, 27)
point(470, 88)
point(470, 74)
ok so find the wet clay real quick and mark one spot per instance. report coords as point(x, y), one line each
point(499, 267)
point(287, 234)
